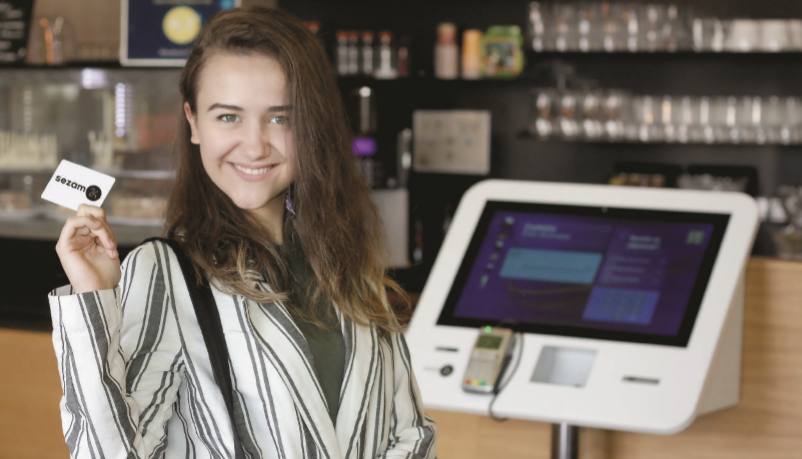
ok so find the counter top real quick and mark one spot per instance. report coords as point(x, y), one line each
point(48, 229)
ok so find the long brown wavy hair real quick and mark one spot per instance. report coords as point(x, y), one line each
point(336, 224)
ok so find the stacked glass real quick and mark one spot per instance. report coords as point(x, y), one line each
point(615, 115)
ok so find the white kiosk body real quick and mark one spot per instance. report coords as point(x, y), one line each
point(630, 301)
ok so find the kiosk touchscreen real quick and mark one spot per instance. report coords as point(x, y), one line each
point(629, 302)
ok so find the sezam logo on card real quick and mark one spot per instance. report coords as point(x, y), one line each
point(73, 185)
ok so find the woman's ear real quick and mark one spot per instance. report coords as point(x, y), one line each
point(192, 124)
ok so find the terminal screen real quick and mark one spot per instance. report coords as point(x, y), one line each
point(607, 273)
point(489, 342)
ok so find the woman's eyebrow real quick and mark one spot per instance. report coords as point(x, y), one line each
point(226, 107)
point(275, 108)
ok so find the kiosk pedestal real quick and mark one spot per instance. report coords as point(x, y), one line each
point(564, 441)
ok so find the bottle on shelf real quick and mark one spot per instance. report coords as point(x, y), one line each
point(353, 52)
point(387, 66)
point(366, 57)
point(403, 60)
point(342, 52)
point(471, 54)
point(446, 52)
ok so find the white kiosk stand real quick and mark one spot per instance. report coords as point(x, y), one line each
point(629, 302)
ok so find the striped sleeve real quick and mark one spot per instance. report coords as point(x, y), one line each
point(412, 432)
point(120, 362)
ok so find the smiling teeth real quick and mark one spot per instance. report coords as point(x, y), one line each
point(253, 171)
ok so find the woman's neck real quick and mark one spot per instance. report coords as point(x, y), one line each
point(271, 216)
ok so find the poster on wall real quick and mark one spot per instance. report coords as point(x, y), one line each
point(161, 32)
point(15, 16)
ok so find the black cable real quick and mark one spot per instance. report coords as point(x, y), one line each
point(498, 388)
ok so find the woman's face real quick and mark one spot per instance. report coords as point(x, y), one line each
point(242, 128)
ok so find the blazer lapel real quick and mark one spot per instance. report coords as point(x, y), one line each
point(361, 347)
point(285, 346)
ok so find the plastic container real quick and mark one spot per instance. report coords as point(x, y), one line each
point(446, 53)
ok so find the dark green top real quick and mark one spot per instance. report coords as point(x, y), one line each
point(327, 345)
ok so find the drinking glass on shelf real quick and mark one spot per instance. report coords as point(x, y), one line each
point(743, 35)
point(592, 127)
point(646, 112)
point(682, 116)
point(538, 20)
point(782, 120)
point(709, 182)
point(630, 17)
point(749, 119)
point(568, 115)
point(612, 26)
point(709, 34)
point(773, 119)
point(542, 113)
point(653, 17)
point(51, 42)
point(673, 31)
point(789, 133)
point(668, 131)
point(731, 108)
point(702, 130)
point(759, 120)
point(774, 35)
point(616, 105)
point(588, 27)
point(794, 34)
point(567, 119)
point(725, 120)
point(564, 29)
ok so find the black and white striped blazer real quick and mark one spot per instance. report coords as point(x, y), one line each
point(138, 383)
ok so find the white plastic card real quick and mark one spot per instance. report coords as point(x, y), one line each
point(73, 185)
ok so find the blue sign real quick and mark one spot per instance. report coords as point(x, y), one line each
point(162, 32)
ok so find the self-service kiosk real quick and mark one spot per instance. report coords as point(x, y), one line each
point(629, 302)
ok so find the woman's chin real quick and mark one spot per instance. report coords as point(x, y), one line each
point(251, 203)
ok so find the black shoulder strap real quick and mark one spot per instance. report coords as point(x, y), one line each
point(212, 330)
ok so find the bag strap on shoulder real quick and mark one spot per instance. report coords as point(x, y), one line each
point(211, 329)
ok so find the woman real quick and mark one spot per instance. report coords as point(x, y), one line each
point(268, 205)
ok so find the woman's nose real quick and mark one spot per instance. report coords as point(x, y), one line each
point(256, 141)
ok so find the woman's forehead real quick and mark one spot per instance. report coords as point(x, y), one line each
point(254, 79)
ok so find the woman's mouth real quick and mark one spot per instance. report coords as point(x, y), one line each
point(251, 171)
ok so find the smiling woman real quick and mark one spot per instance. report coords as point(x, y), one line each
point(258, 93)
point(268, 207)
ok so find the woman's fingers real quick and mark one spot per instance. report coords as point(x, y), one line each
point(87, 249)
point(85, 210)
point(100, 214)
point(78, 232)
point(78, 226)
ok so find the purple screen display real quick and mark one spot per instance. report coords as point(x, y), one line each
point(589, 272)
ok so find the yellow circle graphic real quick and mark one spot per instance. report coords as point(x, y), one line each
point(181, 25)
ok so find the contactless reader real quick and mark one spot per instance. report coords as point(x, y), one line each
point(630, 301)
point(491, 350)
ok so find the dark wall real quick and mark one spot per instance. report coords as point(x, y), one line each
point(516, 157)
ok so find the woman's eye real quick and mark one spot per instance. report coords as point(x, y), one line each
point(280, 119)
point(228, 118)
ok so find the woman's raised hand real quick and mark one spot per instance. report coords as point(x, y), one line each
point(88, 251)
